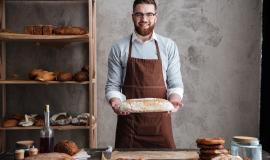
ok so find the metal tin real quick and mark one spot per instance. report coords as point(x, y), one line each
point(247, 148)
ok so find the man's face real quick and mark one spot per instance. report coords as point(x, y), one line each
point(144, 19)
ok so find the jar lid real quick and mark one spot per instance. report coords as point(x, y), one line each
point(246, 140)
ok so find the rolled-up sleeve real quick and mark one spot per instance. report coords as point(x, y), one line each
point(114, 77)
point(174, 77)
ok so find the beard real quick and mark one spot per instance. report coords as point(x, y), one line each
point(144, 32)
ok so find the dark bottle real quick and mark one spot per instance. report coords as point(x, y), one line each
point(46, 133)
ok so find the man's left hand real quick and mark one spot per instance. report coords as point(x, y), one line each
point(176, 101)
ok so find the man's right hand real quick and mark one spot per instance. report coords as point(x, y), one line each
point(115, 103)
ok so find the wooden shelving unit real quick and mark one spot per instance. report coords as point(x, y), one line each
point(89, 38)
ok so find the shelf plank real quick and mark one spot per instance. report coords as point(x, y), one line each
point(39, 82)
point(68, 127)
point(43, 38)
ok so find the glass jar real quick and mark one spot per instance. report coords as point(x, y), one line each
point(247, 148)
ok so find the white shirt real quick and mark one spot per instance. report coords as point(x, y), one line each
point(117, 63)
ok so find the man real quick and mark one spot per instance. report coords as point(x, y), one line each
point(144, 65)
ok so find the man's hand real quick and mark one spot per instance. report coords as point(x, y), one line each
point(115, 103)
point(176, 101)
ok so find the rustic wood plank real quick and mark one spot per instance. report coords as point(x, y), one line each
point(39, 82)
point(43, 38)
point(179, 155)
point(68, 127)
point(3, 73)
point(94, 89)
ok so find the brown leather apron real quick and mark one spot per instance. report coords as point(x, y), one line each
point(144, 79)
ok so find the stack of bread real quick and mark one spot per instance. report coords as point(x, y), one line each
point(211, 148)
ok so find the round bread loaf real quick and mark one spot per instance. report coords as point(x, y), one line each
point(210, 141)
point(81, 76)
point(219, 146)
point(214, 151)
point(64, 76)
point(66, 146)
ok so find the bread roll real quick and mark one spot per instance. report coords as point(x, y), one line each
point(81, 76)
point(34, 73)
point(64, 76)
point(210, 141)
point(146, 105)
point(46, 76)
point(66, 146)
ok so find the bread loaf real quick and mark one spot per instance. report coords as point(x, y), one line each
point(146, 105)
point(66, 146)
point(69, 30)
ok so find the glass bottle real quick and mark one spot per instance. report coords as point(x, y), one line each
point(247, 148)
point(46, 133)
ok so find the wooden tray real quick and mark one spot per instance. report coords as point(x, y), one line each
point(155, 155)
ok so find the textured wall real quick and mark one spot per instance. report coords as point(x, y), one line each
point(220, 50)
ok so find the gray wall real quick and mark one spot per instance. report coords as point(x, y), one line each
point(220, 51)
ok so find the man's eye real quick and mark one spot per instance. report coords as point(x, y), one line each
point(149, 14)
point(138, 14)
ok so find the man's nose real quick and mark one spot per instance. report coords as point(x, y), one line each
point(144, 18)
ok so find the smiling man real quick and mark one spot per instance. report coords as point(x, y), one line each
point(144, 65)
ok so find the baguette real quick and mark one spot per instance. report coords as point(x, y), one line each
point(146, 105)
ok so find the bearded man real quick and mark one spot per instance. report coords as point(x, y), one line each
point(144, 65)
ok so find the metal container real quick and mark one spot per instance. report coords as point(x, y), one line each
point(247, 148)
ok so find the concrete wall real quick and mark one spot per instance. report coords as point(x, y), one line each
point(220, 51)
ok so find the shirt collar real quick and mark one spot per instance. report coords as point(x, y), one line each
point(135, 37)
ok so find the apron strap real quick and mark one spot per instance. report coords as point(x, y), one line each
point(130, 47)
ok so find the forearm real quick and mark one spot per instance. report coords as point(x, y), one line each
point(115, 94)
point(176, 91)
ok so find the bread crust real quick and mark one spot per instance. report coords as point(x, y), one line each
point(68, 30)
point(219, 146)
point(66, 146)
point(210, 141)
point(10, 123)
point(214, 151)
point(146, 105)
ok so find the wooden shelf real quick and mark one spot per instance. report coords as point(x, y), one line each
point(46, 82)
point(43, 38)
point(69, 127)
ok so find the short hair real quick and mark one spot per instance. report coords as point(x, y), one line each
point(136, 2)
